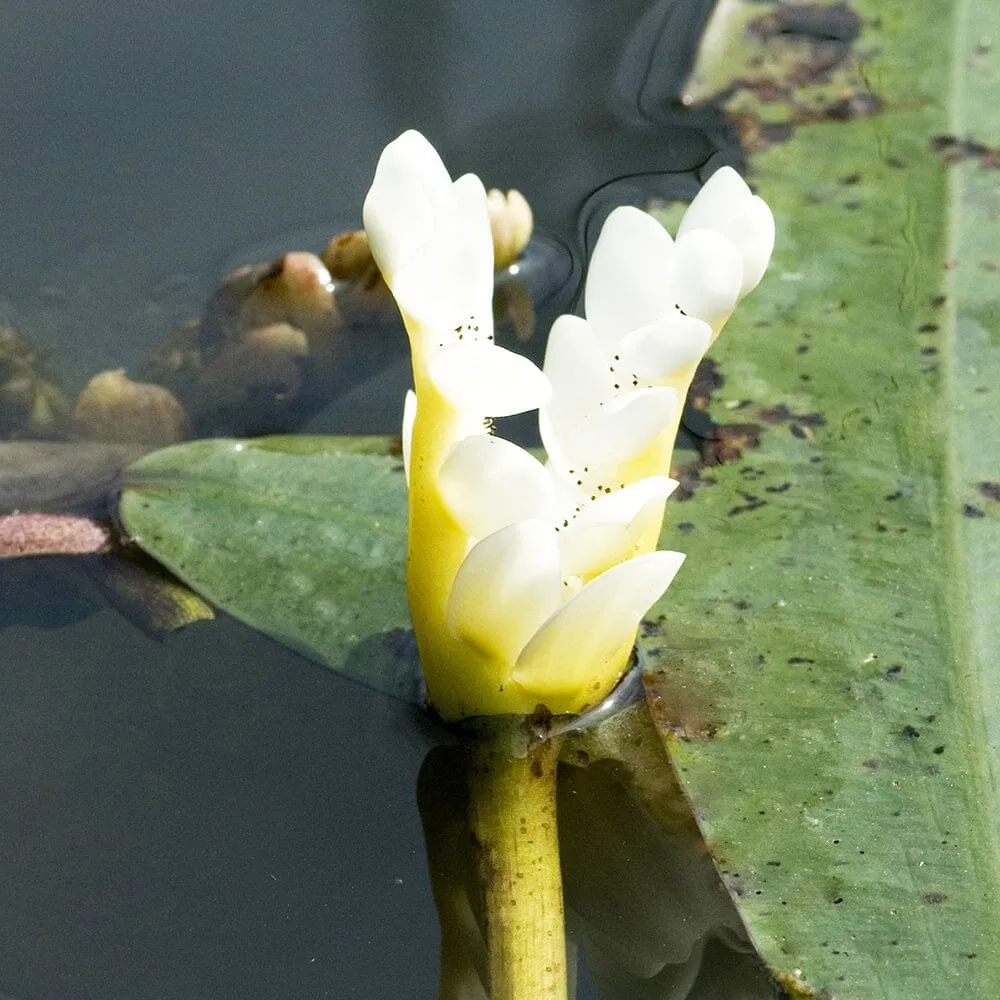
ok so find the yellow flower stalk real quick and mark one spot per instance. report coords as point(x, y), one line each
point(527, 581)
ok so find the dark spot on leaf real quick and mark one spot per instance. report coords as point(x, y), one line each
point(990, 490)
point(834, 22)
point(939, 749)
point(802, 349)
point(742, 605)
point(910, 732)
point(938, 301)
point(778, 489)
point(799, 659)
point(893, 672)
point(928, 351)
point(854, 178)
point(928, 328)
point(754, 503)
point(970, 510)
point(685, 526)
point(954, 150)
point(681, 705)
point(898, 495)
point(871, 764)
point(537, 771)
point(935, 898)
point(781, 413)
point(716, 444)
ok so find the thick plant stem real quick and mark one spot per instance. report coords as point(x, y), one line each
point(512, 810)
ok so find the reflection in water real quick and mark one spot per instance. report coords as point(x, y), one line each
point(210, 815)
point(644, 903)
point(656, 60)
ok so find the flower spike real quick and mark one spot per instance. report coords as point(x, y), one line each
point(526, 581)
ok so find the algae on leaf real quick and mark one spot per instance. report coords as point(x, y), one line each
point(827, 665)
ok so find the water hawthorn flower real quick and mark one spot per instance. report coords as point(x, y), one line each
point(527, 581)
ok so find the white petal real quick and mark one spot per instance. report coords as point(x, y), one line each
point(608, 530)
point(488, 483)
point(663, 349)
point(581, 379)
point(593, 631)
point(627, 278)
point(575, 362)
point(473, 215)
point(593, 549)
point(707, 276)
point(721, 197)
point(489, 380)
point(627, 425)
point(752, 233)
point(410, 193)
point(506, 587)
point(409, 416)
point(625, 505)
point(579, 370)
point(447, 289)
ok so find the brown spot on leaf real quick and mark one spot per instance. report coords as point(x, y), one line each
point(781, 413)
point(954, 150)
point(716, 444)
point(990, 490)
point(681, 704)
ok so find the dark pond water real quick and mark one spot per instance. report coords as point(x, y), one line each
point(210, 815)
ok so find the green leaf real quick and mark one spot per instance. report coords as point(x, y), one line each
point(303, 538)
point(828, 685)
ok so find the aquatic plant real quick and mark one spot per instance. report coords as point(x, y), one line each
point(527, 581)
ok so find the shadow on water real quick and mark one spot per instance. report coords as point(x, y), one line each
point(210, 814)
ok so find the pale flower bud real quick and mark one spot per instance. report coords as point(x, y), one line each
point(114, 408)
point(511, 223)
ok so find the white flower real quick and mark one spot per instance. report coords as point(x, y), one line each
point(653, 307)
point(527, 581)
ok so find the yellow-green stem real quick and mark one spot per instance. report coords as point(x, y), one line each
point(512, 811)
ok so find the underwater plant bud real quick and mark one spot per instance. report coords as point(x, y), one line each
point(17, 397)
point(511, 223)
point(296, 289)
point(51, 411)
point(349, 258)
point(268, 359)
point(114, 408)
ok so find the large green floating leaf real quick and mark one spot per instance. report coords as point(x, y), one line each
point(303, 538)
point(829, 687)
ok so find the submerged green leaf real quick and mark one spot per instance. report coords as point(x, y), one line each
point(303, 538)
point(827, 682)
